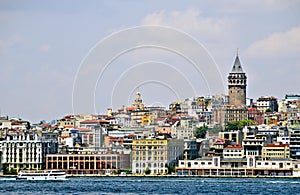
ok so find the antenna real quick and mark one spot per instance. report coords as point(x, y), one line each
point(237, 51)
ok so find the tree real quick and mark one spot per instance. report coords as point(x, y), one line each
point(201, 132)
point(147, 171)
point(238, 125)
point(268, 110)
point(9, 171)
point(171, 169)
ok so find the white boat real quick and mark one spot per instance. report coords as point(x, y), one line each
point(42, 175)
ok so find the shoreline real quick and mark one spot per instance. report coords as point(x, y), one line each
point(170, 176)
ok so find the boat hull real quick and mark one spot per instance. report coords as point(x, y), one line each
point(44, 175)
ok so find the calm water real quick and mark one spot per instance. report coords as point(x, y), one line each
point(152, 185)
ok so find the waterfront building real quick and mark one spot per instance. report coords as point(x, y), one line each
point(88, 164)
point(237, 167)
point(155, 154)
point(27, 151)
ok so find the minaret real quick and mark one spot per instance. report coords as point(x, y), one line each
point(237, 82)
point(138, 102)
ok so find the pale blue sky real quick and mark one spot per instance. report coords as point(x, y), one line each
point(42, 44)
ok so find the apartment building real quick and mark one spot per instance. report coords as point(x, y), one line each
point(236, 151)
point(155, 154)
point(27, 152)
point(275, 150)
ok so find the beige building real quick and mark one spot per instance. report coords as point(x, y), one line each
point(94, 164)
point(67, 121)
point(229, 113)
point(276, 150)
point(155, 154)
point(233, 152)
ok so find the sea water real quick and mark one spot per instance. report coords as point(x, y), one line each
point(152, 185)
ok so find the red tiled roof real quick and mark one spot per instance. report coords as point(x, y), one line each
point(95, 121)
point(68, 126)
point(234, 147)
point(131, 135)
point(277, 145)
point(83, 129)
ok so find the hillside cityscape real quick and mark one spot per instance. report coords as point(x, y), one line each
point(214, 135)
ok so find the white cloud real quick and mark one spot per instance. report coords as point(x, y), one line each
point(277, 44)
point(193, 22)
point(217, 34)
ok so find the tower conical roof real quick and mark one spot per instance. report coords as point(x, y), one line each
point(237, 67)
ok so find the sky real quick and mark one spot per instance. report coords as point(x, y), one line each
point(60, 57)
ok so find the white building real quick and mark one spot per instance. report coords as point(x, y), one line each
point(238, 167)
point(265, 103)
point(27, 152)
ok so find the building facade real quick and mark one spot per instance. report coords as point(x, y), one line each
point(27, 152)
point(238, 167)
point(155, 154)
point(267, 103)
point(88, 164)
point(276, 151)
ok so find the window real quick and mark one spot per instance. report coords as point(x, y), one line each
point(189, 164)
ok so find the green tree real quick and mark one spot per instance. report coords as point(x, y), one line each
point(5, 168)
point(201, 132)
point(268, 110)
point(171, 169)
point(238, 125)
point(147, 171)
point(9, 171)
point(216, 129)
